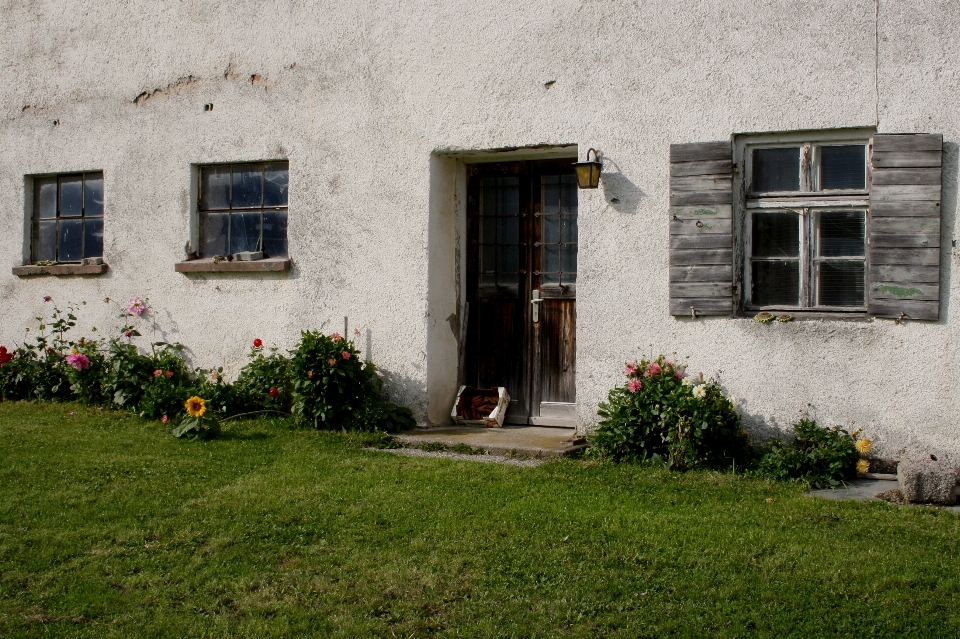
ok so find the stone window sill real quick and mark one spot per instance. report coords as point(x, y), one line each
point(60, 269)
point(208, 266)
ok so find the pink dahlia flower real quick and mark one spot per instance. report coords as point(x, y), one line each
point(136, 306)
point(157, 373)
point(345, 354)
point(631, 367)
point(337, 336)
point(652, 369)
point(79, 361)
point(635, 385)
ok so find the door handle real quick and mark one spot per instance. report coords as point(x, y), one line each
point(535, 300)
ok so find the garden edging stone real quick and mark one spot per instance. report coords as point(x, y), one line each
point(927, 481)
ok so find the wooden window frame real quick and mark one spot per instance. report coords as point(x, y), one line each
point(809, 202)
point(35, 218)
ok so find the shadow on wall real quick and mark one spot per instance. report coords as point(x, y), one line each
point(618, 191)
point(948, 219)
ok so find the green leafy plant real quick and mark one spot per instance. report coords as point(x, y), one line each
point(265, 382)
point(87, 378)
point(661, 416)
point(822, 457)
point(331, 385)
point(169, 385)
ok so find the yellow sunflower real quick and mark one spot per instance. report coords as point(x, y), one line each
point(864, 446)
point(195, 406)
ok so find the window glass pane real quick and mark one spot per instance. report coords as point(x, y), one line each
point(509, 228)
point(70, 241)
point(71, 196)
point(776, 169)
point(215, 188)
point(776, 283)
point(275, 185)
point(841, 283)
point(275, 233)
point(45, 248)
point(488, 230)
point(215, 226)
point(488, 194)
point(247, 186)
point(45, 197)
point(776, 234)
point(510, 280)
point(244, 232)
point(550, 278)
point(551, 258)
point(93, 194)
point(93, 237)
point(842, 233)
point(843, 167)
point(508, 259)
point(551, 229)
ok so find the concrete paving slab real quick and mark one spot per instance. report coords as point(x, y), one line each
point(866, 490)
point(528, 441)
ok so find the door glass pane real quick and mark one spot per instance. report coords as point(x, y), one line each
point(275, 179)
point(842, 233)
point(509, 196)
point(509, 228)
point(551, 258)
point(215, 187)
point(45, 197)
point(843, 167)
point(488, 259)
point(488, 194)
point(275, 233)
point(508, 259)
point(551, 229)
point(71, 196)
point(244, 232)
point(776, 283)
point(93, 237)
point(215, 226)
point(551, 194)
point(70, 242)
point(569, 263)
point(776, 169)
point(568, 194)
point(488, 230)
point(569, 229)
point(46, 244)
point(93, 195)
point(841, 283)
point(247, 187)
point(776, 234)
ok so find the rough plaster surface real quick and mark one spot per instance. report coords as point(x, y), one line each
point(364, 97)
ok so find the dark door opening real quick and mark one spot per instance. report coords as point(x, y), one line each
point(521, 287)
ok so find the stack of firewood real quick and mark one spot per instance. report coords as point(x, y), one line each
point(478, 406)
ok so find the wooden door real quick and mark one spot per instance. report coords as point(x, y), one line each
point(521, 281)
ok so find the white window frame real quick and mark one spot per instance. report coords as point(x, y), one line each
point(809, 203)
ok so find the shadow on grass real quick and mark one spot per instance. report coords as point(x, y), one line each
point(227, 435)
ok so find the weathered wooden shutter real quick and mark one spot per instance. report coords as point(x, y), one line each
point(904, 253)
point(701, 228)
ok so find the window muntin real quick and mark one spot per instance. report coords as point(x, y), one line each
point(798, 169)
point(68, 217)
point(243, 207)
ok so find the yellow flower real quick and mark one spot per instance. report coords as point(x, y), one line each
point(195, 406)
point(864, 446)
point(863, 467)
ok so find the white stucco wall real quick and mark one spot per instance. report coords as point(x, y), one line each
point(371, 102)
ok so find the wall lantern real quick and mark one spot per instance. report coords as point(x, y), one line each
point(588, 173)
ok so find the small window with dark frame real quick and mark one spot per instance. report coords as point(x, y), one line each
point(67, 217)
point(243, 207)
point(806, 214)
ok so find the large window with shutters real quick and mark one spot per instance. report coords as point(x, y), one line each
point(806, 216)
point(844, 222)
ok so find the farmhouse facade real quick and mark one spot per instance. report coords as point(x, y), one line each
point(405, 169)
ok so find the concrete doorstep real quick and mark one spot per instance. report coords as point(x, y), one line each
point(538, 442)
point(867, 489)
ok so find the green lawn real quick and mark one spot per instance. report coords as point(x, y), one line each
point(110, 527)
